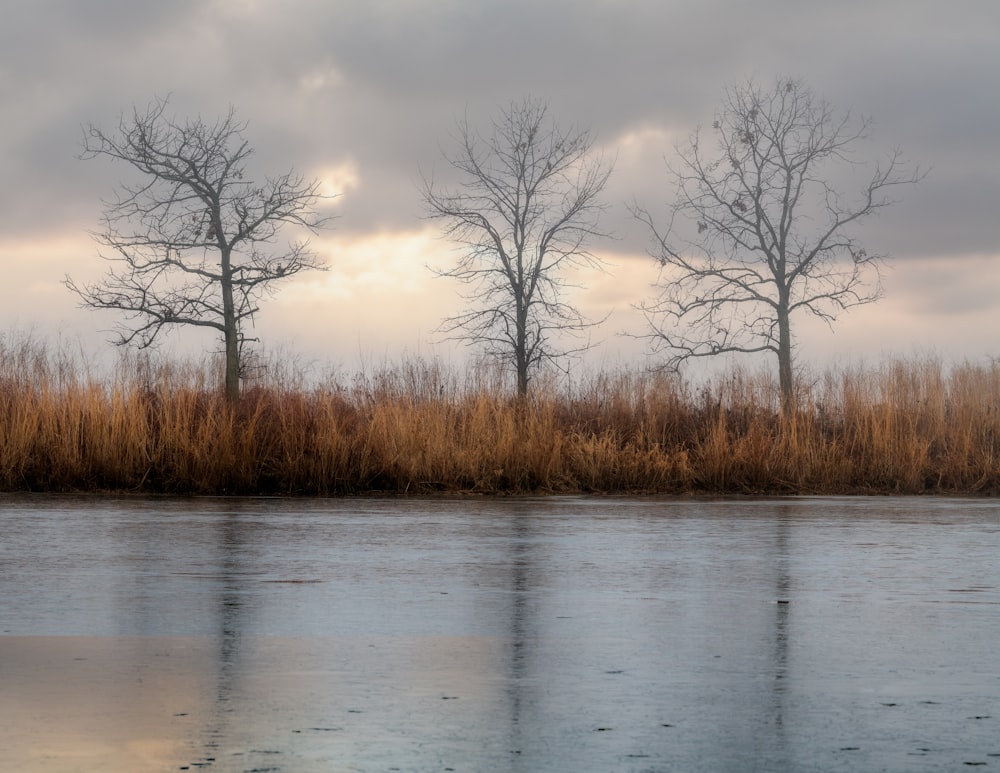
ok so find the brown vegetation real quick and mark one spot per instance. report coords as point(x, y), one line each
point(907, 427)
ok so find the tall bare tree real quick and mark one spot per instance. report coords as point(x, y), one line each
point(526, 206)
point(768, 233)
point(193, 241)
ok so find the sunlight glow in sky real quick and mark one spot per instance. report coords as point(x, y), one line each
point(365, 95)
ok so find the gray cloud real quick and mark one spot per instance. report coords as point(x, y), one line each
point(379, 83)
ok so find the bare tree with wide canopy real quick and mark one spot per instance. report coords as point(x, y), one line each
point(193, 241)
point(523, 212)
point(769, 232)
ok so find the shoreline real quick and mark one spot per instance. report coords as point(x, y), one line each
point(419, 430)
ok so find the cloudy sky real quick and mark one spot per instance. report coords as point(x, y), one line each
point(364, 95)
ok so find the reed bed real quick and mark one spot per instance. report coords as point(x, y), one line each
point(417, 428)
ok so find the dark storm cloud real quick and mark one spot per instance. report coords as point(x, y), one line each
point(63, 64)
point(924, 74)
point(379, 83)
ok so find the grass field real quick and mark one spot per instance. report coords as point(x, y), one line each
point(151, 426)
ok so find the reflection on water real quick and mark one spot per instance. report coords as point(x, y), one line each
point(520, 635)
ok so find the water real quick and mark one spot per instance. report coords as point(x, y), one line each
point(567, 634)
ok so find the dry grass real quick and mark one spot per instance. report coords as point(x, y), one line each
point(907, 427)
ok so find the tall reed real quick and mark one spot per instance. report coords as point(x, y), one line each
point(419, 428)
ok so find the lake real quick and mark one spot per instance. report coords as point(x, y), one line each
point(557, 634)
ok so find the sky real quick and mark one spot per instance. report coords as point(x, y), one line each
point(364, 96)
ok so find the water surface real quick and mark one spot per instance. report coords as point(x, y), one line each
point(566, 634)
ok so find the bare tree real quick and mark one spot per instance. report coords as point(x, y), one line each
point(769, 234)
point(526, 206)
point(192, 242)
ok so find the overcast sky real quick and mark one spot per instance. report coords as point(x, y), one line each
point(364, 95)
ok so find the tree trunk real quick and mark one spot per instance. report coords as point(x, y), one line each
point(230, 332)
point(521, 365)
point(521, 349)
point(786, 381)
point(232, 361)
point(522, 378)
